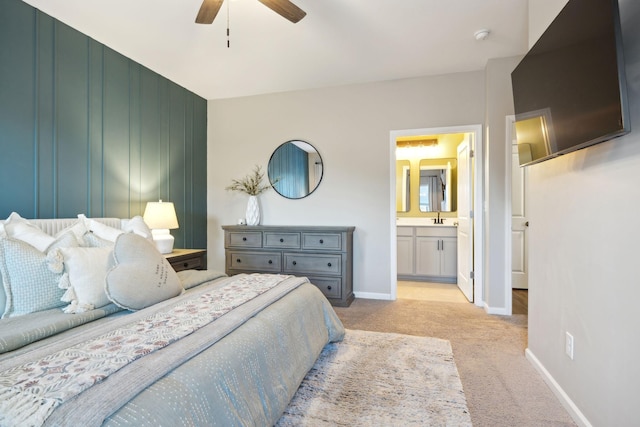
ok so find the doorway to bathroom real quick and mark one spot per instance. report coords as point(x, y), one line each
point(469, 237)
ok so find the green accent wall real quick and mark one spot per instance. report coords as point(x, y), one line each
point(84, 129)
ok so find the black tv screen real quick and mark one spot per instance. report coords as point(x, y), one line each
point(570, 89)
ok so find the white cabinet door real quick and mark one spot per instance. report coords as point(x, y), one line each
point(405, 255)
point(448, 256)
point(428, 256)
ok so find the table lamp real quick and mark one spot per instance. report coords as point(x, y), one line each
point(160, 217)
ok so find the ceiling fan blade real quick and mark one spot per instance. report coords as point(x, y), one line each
point(208, 11)
point(286, 9)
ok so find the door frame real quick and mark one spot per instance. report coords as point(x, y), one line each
point(478, 203)
point(510, 121)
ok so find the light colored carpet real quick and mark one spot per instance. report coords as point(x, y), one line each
point(381, 379)
point(501, 387)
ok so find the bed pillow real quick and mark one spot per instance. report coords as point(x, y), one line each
point(30, 277)
point(142, 276)
point(138, 226)
point(19, 228)
point(83, 279)
point(99, 229)
point(78, 229)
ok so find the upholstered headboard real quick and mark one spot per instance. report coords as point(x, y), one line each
point(54, 226)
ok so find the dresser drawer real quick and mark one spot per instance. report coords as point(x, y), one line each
point(331, 287)
point(302, 264)
point(282, 240)
point(322, 241)
point(254, 261)
point(246, 239)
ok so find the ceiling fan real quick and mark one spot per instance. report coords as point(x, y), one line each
point(284, 8)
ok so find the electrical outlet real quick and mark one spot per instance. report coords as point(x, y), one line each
point(568, 345)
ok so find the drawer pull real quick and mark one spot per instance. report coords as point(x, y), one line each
point(281, 240)
point(270, 262)
point(328, 288)
point(321, 241)
point(294, 263)
point(244, 239)
point(329, 264)
point(238, 260)
point(186, 264)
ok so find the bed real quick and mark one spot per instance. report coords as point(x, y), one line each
point(187, 348)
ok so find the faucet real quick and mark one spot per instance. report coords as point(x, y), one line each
point(438, 220)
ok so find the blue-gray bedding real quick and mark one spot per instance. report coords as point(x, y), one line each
point(242, 369)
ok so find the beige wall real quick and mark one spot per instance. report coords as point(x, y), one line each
point(350, 126)
point(583, 262)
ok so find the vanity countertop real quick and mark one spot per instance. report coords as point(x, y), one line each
point(425, 222)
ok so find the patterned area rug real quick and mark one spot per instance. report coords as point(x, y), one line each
point(381, 379)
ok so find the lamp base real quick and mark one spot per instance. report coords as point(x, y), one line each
point(163, 240)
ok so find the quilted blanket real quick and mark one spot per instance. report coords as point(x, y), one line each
point(77, 373)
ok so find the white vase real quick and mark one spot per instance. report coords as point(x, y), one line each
point(253, 211)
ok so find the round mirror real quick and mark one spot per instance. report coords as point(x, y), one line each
point(295, 169)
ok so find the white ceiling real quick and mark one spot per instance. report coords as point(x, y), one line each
point(339, 41)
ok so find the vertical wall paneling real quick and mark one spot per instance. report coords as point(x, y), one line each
point(199, 175)
point(95, 175)
point(72, 122)
point(135, 171)
point(84, 129)
point(17, 109)
point(44, 109)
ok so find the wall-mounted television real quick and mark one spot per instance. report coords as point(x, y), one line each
point(569, 90)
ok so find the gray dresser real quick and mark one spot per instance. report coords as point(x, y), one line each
point(323, 254)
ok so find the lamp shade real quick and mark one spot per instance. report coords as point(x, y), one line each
point(160, 215)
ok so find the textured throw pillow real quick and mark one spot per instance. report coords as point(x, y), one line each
point(142, 276)
point(19, 228)
point(84, 273)
point(30, 277)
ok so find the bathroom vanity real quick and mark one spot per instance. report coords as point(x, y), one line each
point(428, 252)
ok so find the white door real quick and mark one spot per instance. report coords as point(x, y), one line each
point(465, 218)
point(519, 222)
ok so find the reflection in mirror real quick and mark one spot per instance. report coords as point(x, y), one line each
point(295, 169)
point(437, 185)
point(403, 186)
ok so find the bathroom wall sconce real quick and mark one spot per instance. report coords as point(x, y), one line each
point(413, 143)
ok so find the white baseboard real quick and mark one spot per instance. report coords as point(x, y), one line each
point(371, 295)
point(568, 404)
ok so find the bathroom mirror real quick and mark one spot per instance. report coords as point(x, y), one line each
point(437, 185)
point(295, 169)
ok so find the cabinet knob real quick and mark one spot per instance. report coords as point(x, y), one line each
point(238, 260)
point(321, 241)
point(328, 264)
point(329, 288)
point(270, 262)
point(294, 263)
point(185, 265)
point(281, 240)
point(244, 239)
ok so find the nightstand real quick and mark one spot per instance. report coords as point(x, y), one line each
point(188, 259)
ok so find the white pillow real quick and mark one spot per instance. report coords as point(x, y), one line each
point(99, 229)
point(138, 226)
point(85, 272)
point(142, 276)
point(19, 228)
point(78, 229)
